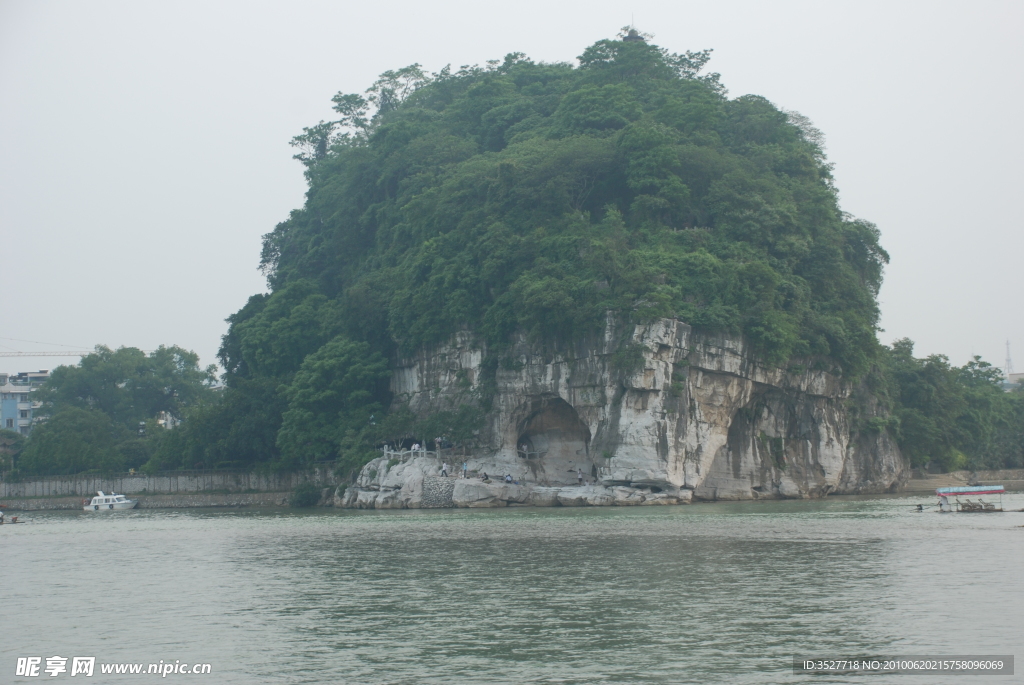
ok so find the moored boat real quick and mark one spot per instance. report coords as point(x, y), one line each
point(967, 506)
point(111, 502)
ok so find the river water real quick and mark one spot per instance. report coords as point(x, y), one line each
point(708, 593)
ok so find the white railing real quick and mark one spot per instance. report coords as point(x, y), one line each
point(405, 455)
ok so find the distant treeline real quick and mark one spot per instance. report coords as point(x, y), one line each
point(955, 417)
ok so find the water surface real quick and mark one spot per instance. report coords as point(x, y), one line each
point(709, 593)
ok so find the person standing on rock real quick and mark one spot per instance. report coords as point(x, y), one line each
point(444, 470)
point(465, 470)
point(579, 477)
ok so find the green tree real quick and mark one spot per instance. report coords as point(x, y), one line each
point(457, 425)
point(11, 445)
point(1008, 444)
point(73, 440)
point(127, 385)
point(232, 429)
point(305, 495)
point(956, 417)
point(334, 397)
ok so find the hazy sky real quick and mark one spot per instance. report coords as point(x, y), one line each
point(144, 145)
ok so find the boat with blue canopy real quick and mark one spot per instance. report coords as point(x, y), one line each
point(966, 491)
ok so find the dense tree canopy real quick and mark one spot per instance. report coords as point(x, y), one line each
point(330, 399)
point(73, 440)
point(539, 196)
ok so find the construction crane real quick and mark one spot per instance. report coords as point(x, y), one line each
point(9, 352)
point(56, 354)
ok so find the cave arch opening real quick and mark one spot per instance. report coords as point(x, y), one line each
point(554, 441)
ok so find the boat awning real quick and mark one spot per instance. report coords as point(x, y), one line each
point(971, 490)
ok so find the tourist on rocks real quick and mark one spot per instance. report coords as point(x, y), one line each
point(465, 470)
point(579, 477)
point(508, 477)
point(444, 470)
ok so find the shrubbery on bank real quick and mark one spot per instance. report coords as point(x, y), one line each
point(305, 495)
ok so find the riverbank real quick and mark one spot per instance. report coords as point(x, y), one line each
point(168, 490)
point(415, 481)
point(436, 492)
point(177, 501)
point(166, 483)
point(922, 482)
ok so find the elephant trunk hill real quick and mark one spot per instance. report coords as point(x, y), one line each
point(609, 271)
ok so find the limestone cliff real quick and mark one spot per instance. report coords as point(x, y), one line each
point(660, 413)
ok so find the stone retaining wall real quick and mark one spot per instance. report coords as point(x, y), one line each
point(163, 483)
point(1002, 475)
point(437, 493)
point(179, 501)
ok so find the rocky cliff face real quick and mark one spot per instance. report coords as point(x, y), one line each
point(659, 413)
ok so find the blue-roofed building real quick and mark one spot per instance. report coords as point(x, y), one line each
point(16, 405)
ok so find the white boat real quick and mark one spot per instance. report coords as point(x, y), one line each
point(113, 501)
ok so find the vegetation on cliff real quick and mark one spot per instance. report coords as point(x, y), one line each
point(539, 196)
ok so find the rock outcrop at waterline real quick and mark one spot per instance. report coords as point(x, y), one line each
point(663, 415)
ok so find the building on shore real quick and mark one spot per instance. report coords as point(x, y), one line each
point(16, 405)
point(1013, 382)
